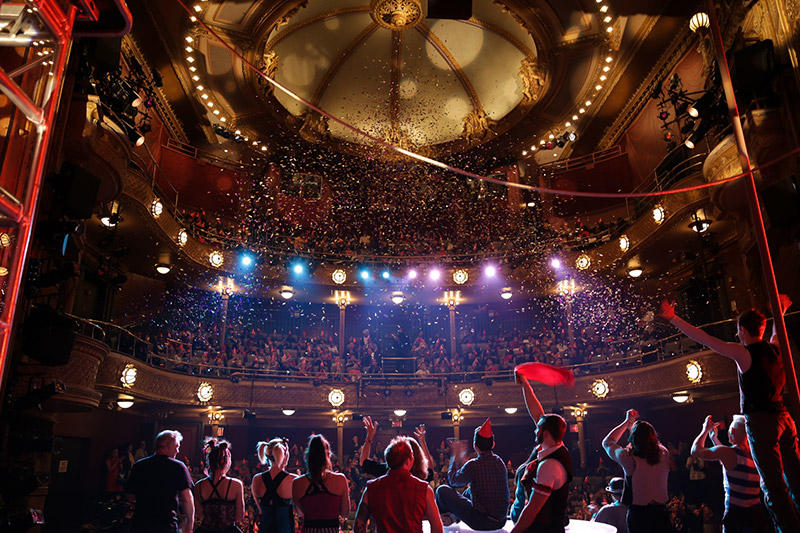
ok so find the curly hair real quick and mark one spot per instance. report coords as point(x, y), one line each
point(644, 442)
point(216, 455)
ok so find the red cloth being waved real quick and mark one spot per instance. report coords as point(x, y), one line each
point(549, 375)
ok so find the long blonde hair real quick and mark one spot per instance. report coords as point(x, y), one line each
point(266, 450)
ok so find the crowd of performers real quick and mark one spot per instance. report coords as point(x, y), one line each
point(761, 466)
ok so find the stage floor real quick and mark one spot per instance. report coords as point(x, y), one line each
point(575, 526)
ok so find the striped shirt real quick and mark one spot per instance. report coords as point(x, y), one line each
point(742, 487)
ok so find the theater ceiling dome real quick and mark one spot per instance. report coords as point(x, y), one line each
point(383, 68)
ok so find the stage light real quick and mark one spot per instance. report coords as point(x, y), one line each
point(510, 410)
point(412, 274)
point(505, 293)
point(600, 388)
point(286, 292)
point(128, 377)
point(693, 112)
point(490, 271)
point(555, 263)
point(215, 258)
point(163, 268)
point(699, 20)
point(466, 397)
point(339, 276)
point(681, 396)
point(398, 297)
point(624, 243)
point(364, 274)
point(246, 260)
point(460, 276)
point(385, 274)
point(298, 269)
point(205, 392)
point(336, 397)
point(694, 372)
point(182, 237)
point(434, 274)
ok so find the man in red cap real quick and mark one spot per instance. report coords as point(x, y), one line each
point(546, 478)
point(484, 504)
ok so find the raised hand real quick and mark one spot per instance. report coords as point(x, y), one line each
point(370, 427)
point(419, 433)
point(631, 416)
point(667, 310)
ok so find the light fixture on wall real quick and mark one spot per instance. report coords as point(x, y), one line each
point(694, 372)
point(336, 397)
point(681, 396)
point(205, 392)
point(397, 297)
point(129, 374)
point(466, 396)
point(600, 388)
point(460, 276)
point(339, 276)
point(699, 20)
point(505, 293)
point(635, 271)
point(700, 223)
point(286, 292)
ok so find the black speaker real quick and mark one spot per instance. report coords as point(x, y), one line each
point(450, 9)
point(77, 191)
point(48, 336)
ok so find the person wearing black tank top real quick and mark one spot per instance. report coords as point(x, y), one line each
point(770, 428)
point(220, 498)
point(272, 490)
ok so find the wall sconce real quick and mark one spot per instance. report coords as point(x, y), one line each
point(400, 412)
point(398, 297)
point(624, 243)
point(505, 293)
point(156, 208)
point(286, 292)
point(694, 372)
point(129, 374)
point(336, 397)
point(339, 276)
point(583, 262)
point(215, 417)
point(635, 272)
point(510, 410)
point(699, 20)
point(205, 392)
point(466, 397)
point(342, 298)
point(600, 388)
point(215, 258)
point(163, 268)
point(288, 412)
point(182, 237)
point(125, 402)
point(659, 214)
point(460, 276)
point(681, 396)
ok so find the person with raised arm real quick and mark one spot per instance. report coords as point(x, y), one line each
point(423, 462)
point(743, 510)
point(544, 482)
point(646, 465)
point(398, 501)
point(771, 431)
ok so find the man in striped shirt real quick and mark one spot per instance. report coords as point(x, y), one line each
point(743, 510)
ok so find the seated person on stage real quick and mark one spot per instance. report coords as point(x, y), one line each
point(484, 504)
point(616, 512)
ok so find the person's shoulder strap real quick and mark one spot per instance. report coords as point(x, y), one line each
point(214, 487)
point(230, 482)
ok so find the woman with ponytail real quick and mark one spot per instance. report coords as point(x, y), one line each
point(321, 496)
point(272, 490)
point(221, 499)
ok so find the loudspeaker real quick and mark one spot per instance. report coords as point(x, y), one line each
point(450, 9)
point(48, 336)
point(77, 190)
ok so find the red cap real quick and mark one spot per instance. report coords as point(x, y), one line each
point(485, 430)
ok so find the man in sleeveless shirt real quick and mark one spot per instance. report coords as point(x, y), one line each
point(771, 432)
point(546, 478)
point(743, 510)
point(158, 485)
point(398, 501)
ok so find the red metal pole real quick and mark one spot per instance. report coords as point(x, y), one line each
point(755, 214)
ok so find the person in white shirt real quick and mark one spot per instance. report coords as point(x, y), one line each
point(616, 512)
point(646, 465)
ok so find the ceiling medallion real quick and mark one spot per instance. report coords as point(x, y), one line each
point(397, 15)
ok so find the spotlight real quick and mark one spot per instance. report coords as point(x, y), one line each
point(385, 274)
point(434, 274)
point(466, 397)
point(37, 396)
point(555, 263)
point(205, 392)
point(549, 145)
point(693, 112)
point(490, 271)
point(364, 274)
point(412, 274)
point(583, 262)
point(246, 260)
point(136, 137)
point(156, 208)
point(298, 269)
point(560, 143)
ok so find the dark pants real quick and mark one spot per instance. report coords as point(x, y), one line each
point(773, 441)
point(746, 520)
point(450, 501)
point(648, 519)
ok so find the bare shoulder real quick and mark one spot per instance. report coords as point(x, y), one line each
point(338, 480)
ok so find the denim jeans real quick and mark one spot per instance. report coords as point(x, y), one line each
point(773, 441)
point(450, 501)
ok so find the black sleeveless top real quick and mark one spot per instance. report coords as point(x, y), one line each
point(277, 514)
point(762, 385)
point(218, 512)
point(553, 515)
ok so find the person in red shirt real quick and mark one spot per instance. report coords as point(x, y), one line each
point(398, 501)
